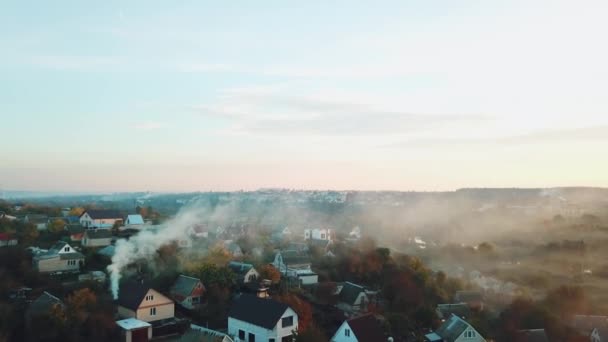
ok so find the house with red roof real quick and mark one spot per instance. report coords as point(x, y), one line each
point(7, 239)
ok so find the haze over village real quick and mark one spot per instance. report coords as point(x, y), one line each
point(347, 171)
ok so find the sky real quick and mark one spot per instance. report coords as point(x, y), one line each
point(360, 95)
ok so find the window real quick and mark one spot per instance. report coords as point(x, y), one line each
point(150, 297)
point(152, 311)
point(241, 335)
point(346, 332)
point(271, 340)
point(251, 337)
point(287, 322)
point(469, 334)
point(66, 249)
point(322, 236)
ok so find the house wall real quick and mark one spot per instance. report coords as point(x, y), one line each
point(88, 222)
point(165, 308)
point(96, 242)
point(477, 338)
point(251, 275)
point(262, 334)
point(340, 335)
point(309, 279)
point(56, 265)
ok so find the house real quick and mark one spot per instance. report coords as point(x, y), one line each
point(37, 220)
point(137, 300)
point(199, 231)
point(72, 219)
point(474, 299)
point(455, 329)
point(599, 334)
point(245, 273)
point(444, 311)
point(107, 251)
point(584, 324)
point(187, 291)
point(5, 216)
point(134, 330)
point(7, 239)
point(531, 335)
point(97, 238)
point(364, 328)
point(355, 234)
point(202, 334)
point(254, 319)
point(318, 234)
point(40, 310)
point(233, 248)
point(76, 232)
point(352, 298)
point(295, 264)
point(61, 257)
point(134, 222)
point(281, 234)
point(100, 218)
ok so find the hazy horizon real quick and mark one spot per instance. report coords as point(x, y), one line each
point(403, 95)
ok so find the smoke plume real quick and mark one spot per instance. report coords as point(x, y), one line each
point(144, 245)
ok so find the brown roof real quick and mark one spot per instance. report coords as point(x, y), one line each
point(367, 328)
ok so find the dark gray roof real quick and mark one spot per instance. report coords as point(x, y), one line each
point(184, 285)
point(461, 310)
point(98, 233)
point(239, 268)
point(350, 292)
point(36, 218)
point(74, 228)
point(71, 256)
point(131, 294)
point(43, 304)
point(103, 214)
point(532, 335)
point(452, 329)
point(367, 328)
point(295, 258)
point(264, 313)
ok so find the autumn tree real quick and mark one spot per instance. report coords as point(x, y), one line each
point(57, 226)
point(76, 211)
point(271, 273)
point(301, 307)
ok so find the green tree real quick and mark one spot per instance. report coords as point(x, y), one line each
point(57, 226)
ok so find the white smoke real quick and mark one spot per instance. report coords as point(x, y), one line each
point(144, 245)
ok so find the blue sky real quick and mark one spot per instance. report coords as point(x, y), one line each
point(406, 95)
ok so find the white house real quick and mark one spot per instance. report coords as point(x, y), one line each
point(352, 298)
point(455, 329)
point(245, 273)
point(40, 221)
point(97, 238)
point(295, 264)
point(100, 218)
point(253, 319)
point(61, 257)
point(7, 239)
point(318, 234)
point(365, 328)
point(134, 222)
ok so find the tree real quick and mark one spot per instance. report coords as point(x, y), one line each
point(211, 274)
point(57, 226)
point(271, 273)
point(76, 211)
point(312, 334)
point(301, 307)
